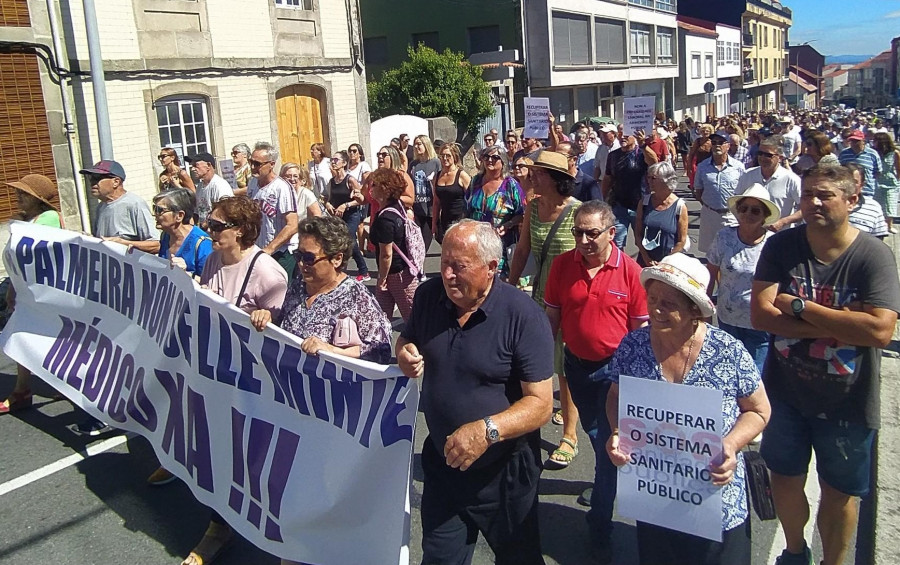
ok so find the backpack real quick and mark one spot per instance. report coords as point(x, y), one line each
point(415, 243)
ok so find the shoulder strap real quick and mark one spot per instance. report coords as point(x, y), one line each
point(247, 278)
point(200, 241)
point(545, 248)
point(458, 172)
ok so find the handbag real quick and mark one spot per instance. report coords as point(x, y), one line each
point(759, 488)
point(346, 333)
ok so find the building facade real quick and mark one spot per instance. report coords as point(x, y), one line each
point(200, 76)
point(698, 66)
point(804, 87)
point(868, 83)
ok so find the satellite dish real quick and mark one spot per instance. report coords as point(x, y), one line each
point(709, 88)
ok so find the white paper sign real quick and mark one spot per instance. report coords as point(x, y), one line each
point(226, 171)
point(537, 113)
point(639, 114)
point(671, 433)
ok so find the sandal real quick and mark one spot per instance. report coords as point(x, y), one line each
point(561, 457)
point(216, 539)
point(557, 418)
point(16, 401)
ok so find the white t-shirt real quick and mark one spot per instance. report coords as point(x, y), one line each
point(320, 175)
point(791, 142)
point(275, 200)
point(737, 264)
point(783, 187)
point(600, 158)
point(358, 171)
point(209, 194)
point(305, 199)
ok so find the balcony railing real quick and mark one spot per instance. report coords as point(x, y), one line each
point(748, 39)
point(749, 76)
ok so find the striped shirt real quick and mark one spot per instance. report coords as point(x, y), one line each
point(869, 217)
point(869, 160)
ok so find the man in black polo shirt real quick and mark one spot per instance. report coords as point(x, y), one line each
point(486, 353)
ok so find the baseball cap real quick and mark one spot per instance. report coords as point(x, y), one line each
point(609, 128)
point(857, 134)
point(205, 157)
point(105, 167)
point(718, 137)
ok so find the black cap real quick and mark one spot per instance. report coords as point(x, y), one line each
point(205, 157)
point(718, 137)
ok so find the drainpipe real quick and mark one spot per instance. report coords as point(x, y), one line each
point(98, 80)
point(80, 195)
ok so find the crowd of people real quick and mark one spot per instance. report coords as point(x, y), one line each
point(785, 315)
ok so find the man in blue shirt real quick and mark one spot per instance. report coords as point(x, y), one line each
point(715, 182)
point(864, 156)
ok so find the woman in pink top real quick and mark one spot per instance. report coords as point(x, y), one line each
point(243, 274)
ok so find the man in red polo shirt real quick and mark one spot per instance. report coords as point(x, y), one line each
point(594, 294)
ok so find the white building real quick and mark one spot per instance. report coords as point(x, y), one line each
point(728, 66)
point(696, 84)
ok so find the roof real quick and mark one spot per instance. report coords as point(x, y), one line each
point(803, 83)
point(697, 26)
point(881, 58)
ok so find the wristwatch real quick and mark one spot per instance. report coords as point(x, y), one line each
point(798, 305)
point(491, 431)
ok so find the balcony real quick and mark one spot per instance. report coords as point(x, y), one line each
point(749, 76)
point(747, 39)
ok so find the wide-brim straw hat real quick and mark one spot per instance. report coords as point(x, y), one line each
point(40, 187)
point(685, 274)
point(760, 193)
point(551, 160)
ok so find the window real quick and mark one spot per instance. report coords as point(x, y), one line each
point(484, 39)
point(665, 5)
point(695, 65)
point(665, 53)
point(183, 125)
point(610, 42)
point(640, 44)
point(765, 68)
point(708, 65)
point(645, 3)
point(720, 52)
point(765, 34)
point(298, 4)
point(571, 39)
point(429, 39)
point(586, 99)
point(376, 50)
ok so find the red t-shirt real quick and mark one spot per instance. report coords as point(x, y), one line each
point(660, 147)
point(595, 313)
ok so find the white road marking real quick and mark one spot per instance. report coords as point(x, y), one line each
point(63, 463)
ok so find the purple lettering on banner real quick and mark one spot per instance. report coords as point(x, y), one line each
point(93, 275)
point(125, 379)
point(179, 343)
point(346, 399)
point(62, 363)
point(236, 497)
point(105, 354)
point(43, 264)
point(203, 331)
point(113, 383)
point(58, 256)
point(174, 432)
point(104, 288)
point(282, 463)
point(224, 374)
point(84, 354)
point(317, 385)
point(281, 370)
point(24, 255)
point(378, 389)
point(148, 290)
point(247, 382)
point(114, 276)
point(78, 276)
point(261, 433)
point(198, 460)
point(391, 430)
point(140, 408)
point(60, 346)
point(128, 294)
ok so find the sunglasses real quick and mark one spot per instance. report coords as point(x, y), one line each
point(383, 155)
point(161, 157)
point(520, 166)
point(353, 150)
point(766, 154)
point(336, 160)
point(491, 159)
point(308, 258)
point(159, 210)
point(95, 179)
point(254, 163)
point(217, 226)
point(752, 210)
point(591, 234)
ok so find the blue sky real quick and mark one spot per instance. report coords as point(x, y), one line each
point(845, 27)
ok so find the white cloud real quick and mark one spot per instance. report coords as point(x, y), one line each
point(892, 15)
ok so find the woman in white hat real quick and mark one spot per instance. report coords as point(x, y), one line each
point(680, 347)
point(38, 201)
point(731, 260)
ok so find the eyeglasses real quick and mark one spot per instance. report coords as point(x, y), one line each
point(336, 160)
point(255, 163)
point(163, 156)
point(752, 210)
point(159, 210)
point(520, 166)
point(766, 154)
point(308, 258)
point(717, 143)
point(217, 226)
point(353, 150)
point(446, 156)
point(591, 234)
point(384, 155)
point(491, 159)
point(235, 152)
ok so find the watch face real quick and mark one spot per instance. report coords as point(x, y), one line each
point(797, 305)
point(494, 434)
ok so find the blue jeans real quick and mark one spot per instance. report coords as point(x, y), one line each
point(624, 218)
point(589, 397)
point(353, 217)
point(756, 342)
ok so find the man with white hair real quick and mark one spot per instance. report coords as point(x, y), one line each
point(276, 200)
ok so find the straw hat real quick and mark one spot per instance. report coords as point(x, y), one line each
point(760, 193)
point(551, 160)
point(686, 274)
point(40, 187)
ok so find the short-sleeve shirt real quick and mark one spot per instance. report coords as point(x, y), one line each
point(209, 194)
point(359, 170)
point(718, 185)
point(823, 376)
point(423, 175)
point(476, 370)
point(595, 313)
point(585, 161)
point(736, 261)
point(870, 161)
point(127, 217)
point(389, 228)
point(868, 216)
point(266, 282)
point(195, 248)
point(275, 200)
point(722, 364)
point(48, 218)
point(783, 187)
point(602, 155)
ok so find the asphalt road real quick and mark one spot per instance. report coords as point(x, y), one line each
point(60, 508)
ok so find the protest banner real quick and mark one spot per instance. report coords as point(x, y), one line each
point(226, 171)
point(537, 114)
point(308, 457)
point(639, 114)
point(671, 433)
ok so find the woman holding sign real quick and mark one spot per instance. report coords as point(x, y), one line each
point(680, 347)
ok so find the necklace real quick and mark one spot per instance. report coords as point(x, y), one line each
point(690, 352)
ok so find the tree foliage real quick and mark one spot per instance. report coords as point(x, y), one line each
point(432, 84)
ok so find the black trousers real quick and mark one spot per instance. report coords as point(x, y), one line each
point(499, 500)
point(662, 546)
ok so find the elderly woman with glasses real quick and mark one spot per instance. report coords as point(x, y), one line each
point(241, 273)
point(173, 174)
point(240, 155)
point(184, 244)
point(497, 198)
point(661, 220)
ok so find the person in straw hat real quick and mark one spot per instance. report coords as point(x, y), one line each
point(680, 347)
point(38, 201)
point(731, 260)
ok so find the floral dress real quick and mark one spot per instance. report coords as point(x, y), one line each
point(498, 208)
point(348, 298)
point(722, 364)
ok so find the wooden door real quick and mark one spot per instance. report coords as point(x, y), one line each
point(301, 119)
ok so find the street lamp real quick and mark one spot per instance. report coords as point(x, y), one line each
point(797, 73)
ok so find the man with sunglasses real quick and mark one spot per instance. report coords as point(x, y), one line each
point(211, 187)
point(594, 295)
point(122, 217)
point(781, 183)
point(715, 182)
point(278, 204)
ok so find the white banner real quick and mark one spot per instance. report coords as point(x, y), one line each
point(226, 171)
point(639, 114)
point(537, 115)
point(671, 433)
point(307, 457)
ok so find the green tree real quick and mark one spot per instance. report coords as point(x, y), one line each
point(432, 84)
